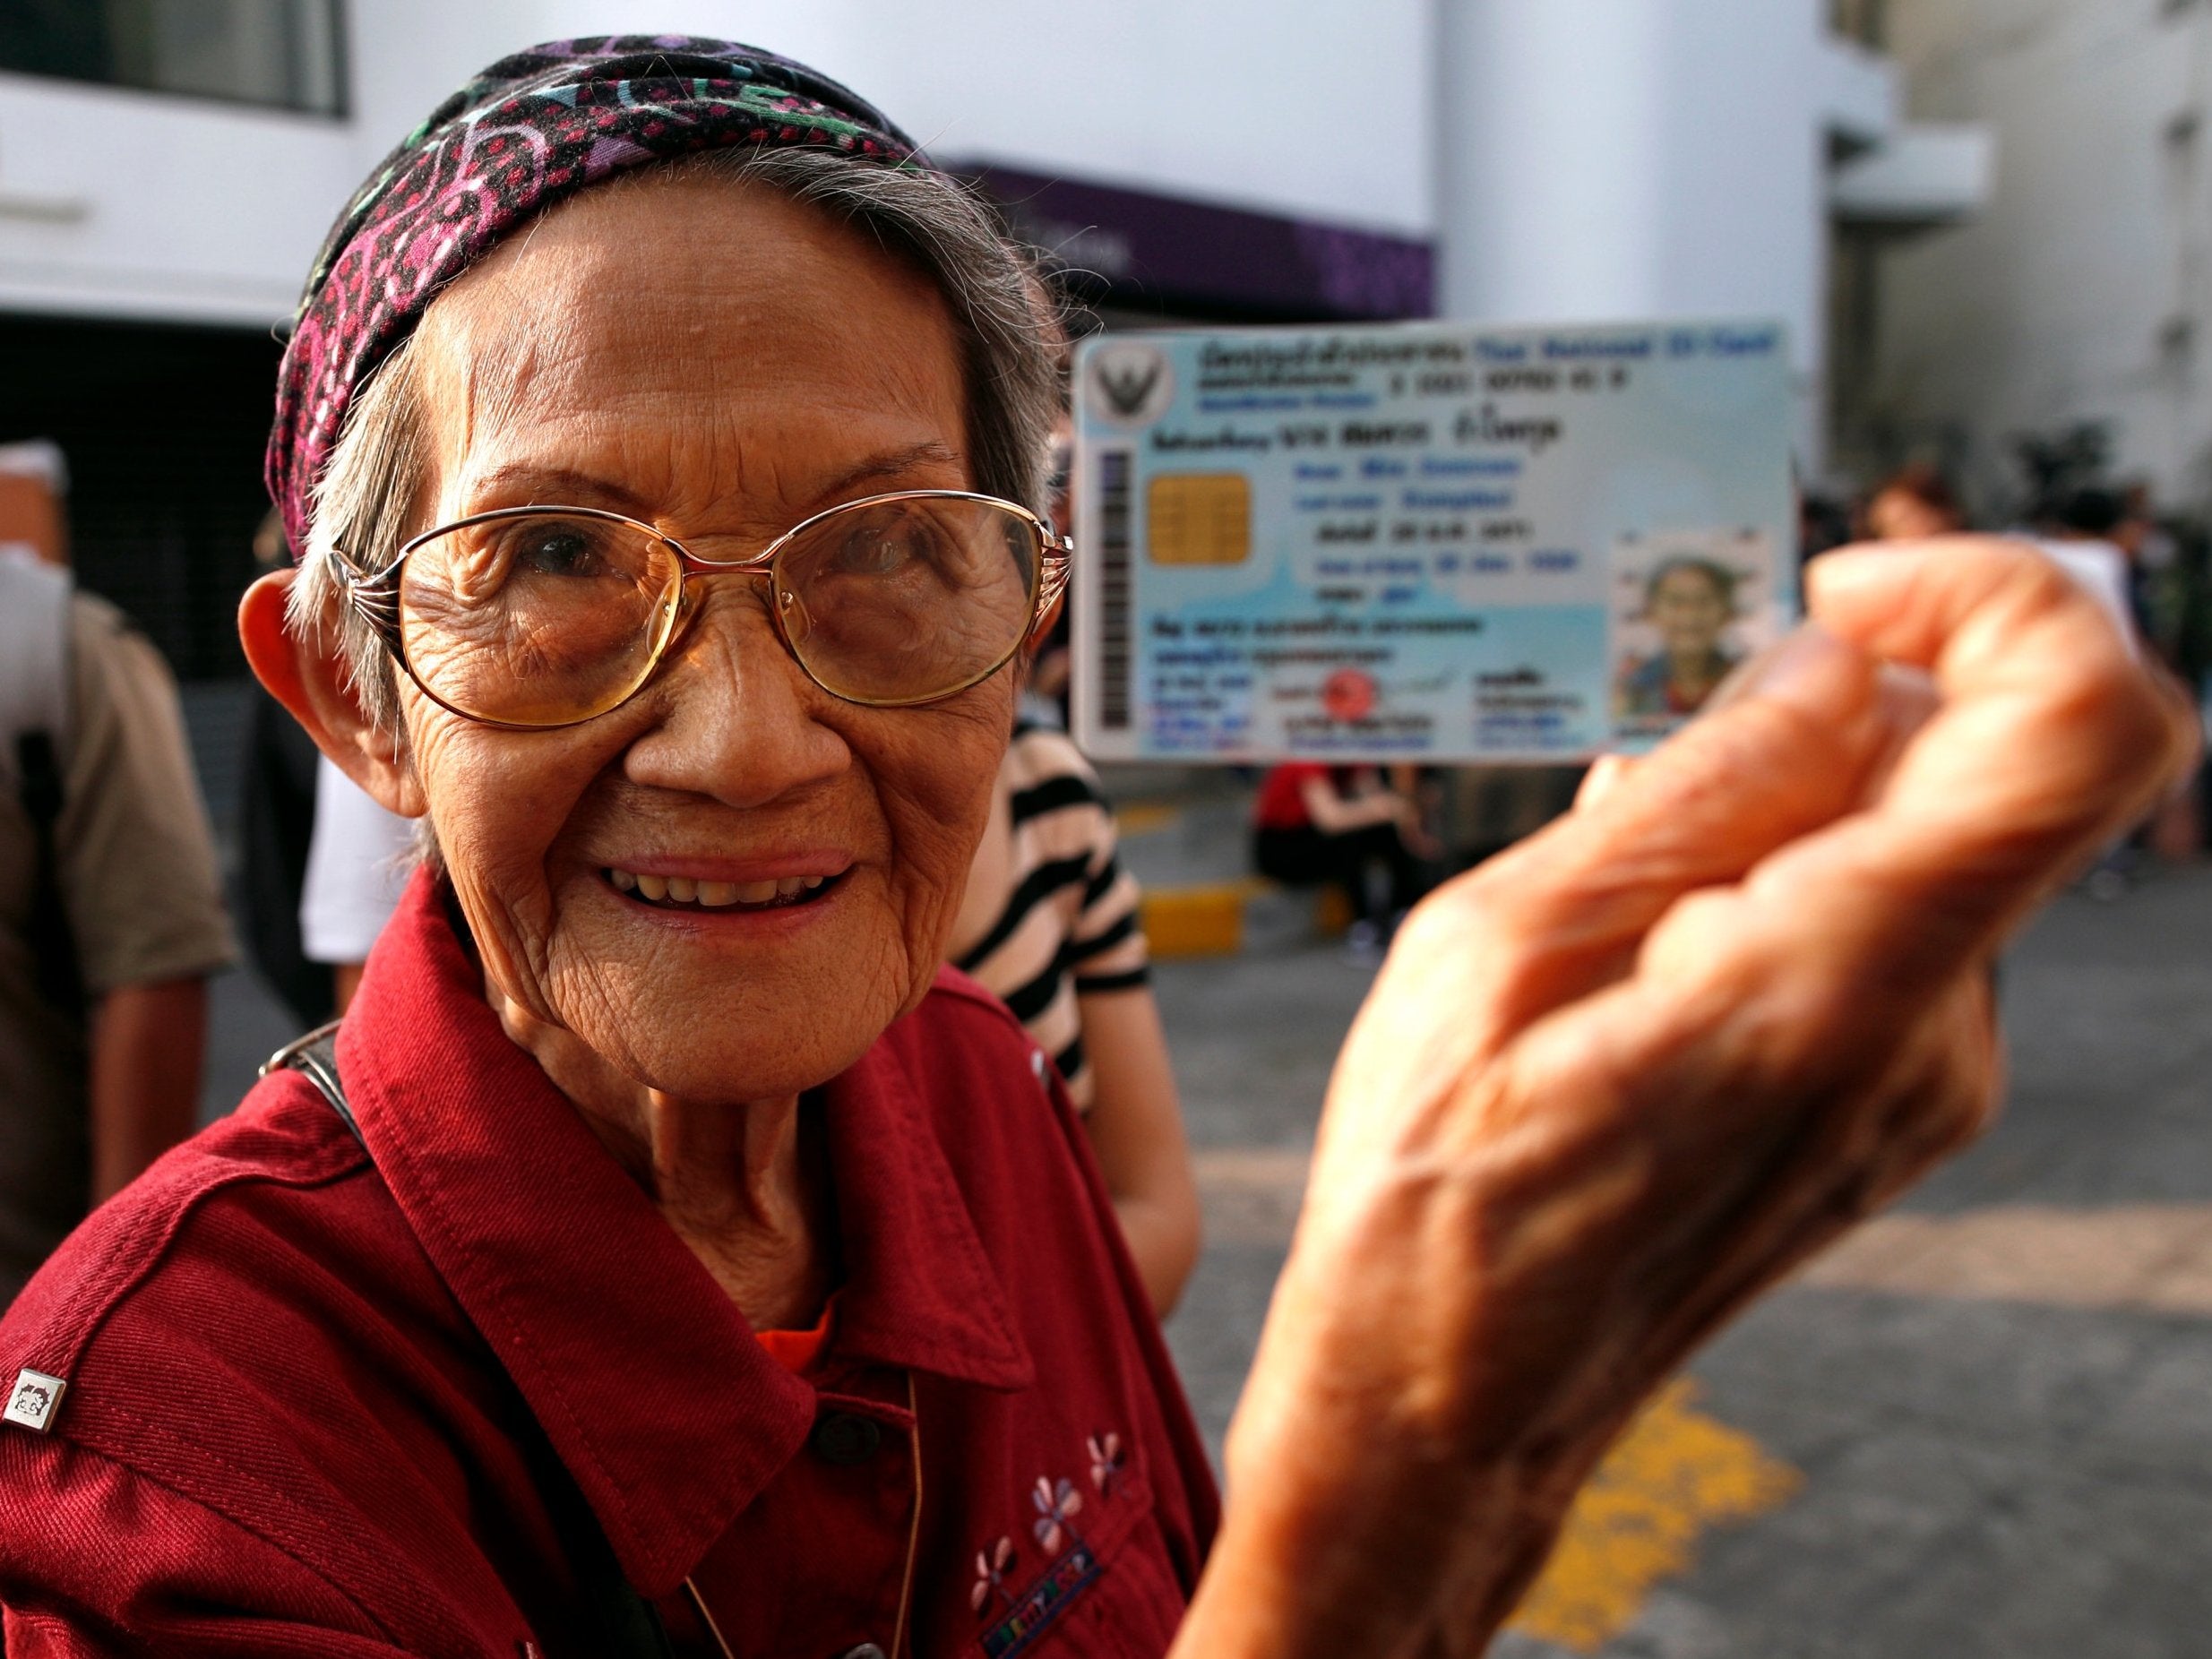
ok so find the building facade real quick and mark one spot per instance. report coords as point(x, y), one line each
point(2079, 297)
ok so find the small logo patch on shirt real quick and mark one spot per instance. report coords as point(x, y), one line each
point(33, 1399)
point(1044, 1601)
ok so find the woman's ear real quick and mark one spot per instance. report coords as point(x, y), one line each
point(310, 679)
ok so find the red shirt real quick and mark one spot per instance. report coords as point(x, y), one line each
point(314, 1405)
point(1281, 803)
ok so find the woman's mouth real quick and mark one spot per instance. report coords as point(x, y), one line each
point(680, 892)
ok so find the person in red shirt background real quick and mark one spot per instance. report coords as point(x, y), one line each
point(1316, 825)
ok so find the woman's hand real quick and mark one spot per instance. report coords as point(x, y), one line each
point(1617, 1081)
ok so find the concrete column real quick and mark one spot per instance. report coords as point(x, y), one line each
point(1603, 159)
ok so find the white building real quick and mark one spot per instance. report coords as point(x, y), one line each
point(1575, 159)
point(2081, 294)
point(1673, 157)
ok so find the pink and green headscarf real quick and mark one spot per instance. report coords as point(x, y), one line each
point(530, 130)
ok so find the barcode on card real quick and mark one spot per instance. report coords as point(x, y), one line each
point(1115, 556)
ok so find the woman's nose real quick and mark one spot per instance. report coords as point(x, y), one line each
point(742, 723)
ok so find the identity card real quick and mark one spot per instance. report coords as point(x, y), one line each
point(1423, 542)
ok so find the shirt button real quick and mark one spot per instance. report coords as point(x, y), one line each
point(844, 1438)
point(866, 1650)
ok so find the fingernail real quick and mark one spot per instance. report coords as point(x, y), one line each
point(1792, 668)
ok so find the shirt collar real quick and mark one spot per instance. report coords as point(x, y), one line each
point(640, 1369)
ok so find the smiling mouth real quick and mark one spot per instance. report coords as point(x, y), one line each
point(678, 893)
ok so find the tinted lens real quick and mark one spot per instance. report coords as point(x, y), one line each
point(903, 600)
point(539, 619)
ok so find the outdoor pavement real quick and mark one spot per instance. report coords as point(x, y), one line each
point(1982, 1429)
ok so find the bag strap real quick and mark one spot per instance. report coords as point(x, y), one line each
point(34, 653)
point(315, 1057)
point(624, 1624)
point(53, 941)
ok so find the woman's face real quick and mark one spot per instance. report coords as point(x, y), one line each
point(719, 362)
point(1689, 611)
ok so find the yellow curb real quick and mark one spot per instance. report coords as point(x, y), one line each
point(1143, 817)
point(1206, 920)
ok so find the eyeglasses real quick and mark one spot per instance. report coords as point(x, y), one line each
point(543, 616)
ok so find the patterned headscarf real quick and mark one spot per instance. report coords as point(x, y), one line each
point(530, 130)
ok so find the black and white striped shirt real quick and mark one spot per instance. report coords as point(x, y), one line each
point(1068, 927)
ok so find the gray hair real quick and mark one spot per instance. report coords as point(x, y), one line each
point(1012, 345)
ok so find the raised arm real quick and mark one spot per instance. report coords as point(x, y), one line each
point(1614, 1084)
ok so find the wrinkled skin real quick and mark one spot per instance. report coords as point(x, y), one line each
point(767, 365)
point(1613, 1084)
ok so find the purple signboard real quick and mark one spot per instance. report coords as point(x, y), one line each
point(1168, 253)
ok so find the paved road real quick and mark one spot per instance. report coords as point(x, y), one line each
point(1984, 1429)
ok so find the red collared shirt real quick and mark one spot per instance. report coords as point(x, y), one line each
point(314, 1405)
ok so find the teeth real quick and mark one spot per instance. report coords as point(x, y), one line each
point(684, 890)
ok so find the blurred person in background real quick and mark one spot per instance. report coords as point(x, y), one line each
point(2167, 590)
point(111, 914)
point(356, 868)
point(1049, 921)
point(1914, 504)
point(1339, 827)
point(2078, 531)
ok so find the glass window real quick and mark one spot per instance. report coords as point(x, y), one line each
point(286, 54)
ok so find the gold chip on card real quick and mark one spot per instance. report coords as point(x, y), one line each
point(1199, 518)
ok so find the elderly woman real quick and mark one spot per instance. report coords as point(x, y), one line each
point(671, 1257)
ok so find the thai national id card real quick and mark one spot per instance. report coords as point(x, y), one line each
point(1423, 542)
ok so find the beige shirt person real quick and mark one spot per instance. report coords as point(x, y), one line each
point(137, 871)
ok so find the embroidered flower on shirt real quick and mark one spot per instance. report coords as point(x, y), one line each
point(1056, 1502)
point(1105, 1460)
point(992, 1566)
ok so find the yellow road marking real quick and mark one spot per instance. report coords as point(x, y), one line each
point(1143, 817)
point(1675, 1472)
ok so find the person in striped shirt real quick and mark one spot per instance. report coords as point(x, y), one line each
point(1049, 923)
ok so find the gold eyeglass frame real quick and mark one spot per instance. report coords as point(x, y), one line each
point(375, 598)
